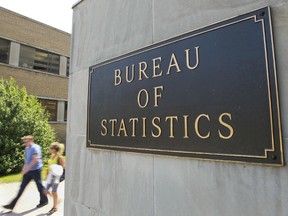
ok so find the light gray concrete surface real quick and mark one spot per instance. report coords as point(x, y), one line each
point(26, 205)
point(108, 33)
point(63, 66)
point(60, 111)
point(103, 183)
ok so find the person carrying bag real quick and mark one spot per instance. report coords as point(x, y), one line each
point(55, 170)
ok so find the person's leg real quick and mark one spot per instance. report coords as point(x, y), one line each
point(54, 195)
point(55, 199)
point(46, 189)
point(36, 175)
point(25, 180)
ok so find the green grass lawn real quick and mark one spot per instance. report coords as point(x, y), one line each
point(17, 177)
point(14, 178)
point(11, 178)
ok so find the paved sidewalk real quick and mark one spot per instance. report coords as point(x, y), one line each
point(26, 205)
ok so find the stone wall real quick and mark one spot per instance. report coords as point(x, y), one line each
point(107, 183)
point(37, 83)
point(60, 129)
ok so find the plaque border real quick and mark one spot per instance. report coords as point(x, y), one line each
point(165, 42)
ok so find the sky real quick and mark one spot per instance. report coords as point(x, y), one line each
point(56, 13)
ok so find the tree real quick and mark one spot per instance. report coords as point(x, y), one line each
point(20, 114)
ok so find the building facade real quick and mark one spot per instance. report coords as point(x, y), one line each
point(37, 56)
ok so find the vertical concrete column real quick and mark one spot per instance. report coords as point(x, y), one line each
point(14, 53)
point(123, 184)
point(60, 111)
point(63, 66)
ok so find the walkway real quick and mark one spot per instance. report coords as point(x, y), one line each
point(27, 203)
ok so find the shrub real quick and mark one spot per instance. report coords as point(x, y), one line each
point(20, 114)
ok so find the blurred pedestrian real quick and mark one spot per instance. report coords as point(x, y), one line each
point(31, 170)
point(56, 165)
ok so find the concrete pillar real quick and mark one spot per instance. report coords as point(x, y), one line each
point(60, 111)
point(14, 54)
point(115, 183)
point(63, 66)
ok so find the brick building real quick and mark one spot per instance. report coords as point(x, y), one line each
point(37, 56)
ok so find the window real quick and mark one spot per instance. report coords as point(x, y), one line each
point(51, 108)
point(65, 111)
point(4, 50)
point(39, 59)
point(68, 67)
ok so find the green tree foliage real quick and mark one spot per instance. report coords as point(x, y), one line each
point(20, 114)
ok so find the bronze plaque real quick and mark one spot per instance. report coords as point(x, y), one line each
point(207, 94)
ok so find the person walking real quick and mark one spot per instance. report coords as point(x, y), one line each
point(54, 171)
point(31, 170)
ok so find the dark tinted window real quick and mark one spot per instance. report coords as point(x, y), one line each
point(65, 111)
point(51, 108)
point(4, 51)
point(39, 59)
point(68, 67)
